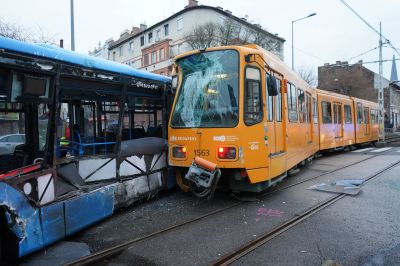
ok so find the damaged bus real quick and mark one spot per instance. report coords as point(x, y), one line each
point(79, 137)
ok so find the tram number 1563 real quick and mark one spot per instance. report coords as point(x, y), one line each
point(202, 152)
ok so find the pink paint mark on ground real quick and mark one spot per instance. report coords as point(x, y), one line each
point(268, 213)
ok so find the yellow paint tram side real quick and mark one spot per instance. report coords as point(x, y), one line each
point(242, 109)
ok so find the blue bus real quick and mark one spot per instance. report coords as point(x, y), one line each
point(91, 138)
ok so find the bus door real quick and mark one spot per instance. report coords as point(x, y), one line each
point(275, 126)
point(337, 120)
point(366, 120)
point(309, 121)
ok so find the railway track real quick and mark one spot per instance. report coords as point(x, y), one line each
point(263, 239)
point(117, 249)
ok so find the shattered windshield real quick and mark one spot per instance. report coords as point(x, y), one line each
point(208, 96)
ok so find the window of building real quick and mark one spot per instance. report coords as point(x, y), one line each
point(131, 46)
point(347, 114)
point(158, 34)
point(315, 110)
point(166, 29)
point(302, 105)
point(141, 40)
point(145, 59)
point(162, 54)
point(253, 97)
point(154, 57)
point(150, 37)
point(179, 23)
point(121, 50)
point(359, 113)
point(292, 103)
point(278, 101)
point(113, 56)
point(326, 112)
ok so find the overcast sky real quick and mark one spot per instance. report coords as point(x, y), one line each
point(333, 34)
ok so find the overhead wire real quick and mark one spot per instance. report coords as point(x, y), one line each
point(371, 27)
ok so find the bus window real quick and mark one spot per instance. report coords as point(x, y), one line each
point(326, 112)
point(270, 103)
point(278, 101)
point(347, 114)
point(292, 103)
point(302, 106)
point(253, 112)
point(359, 113)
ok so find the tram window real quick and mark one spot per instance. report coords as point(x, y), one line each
point(278, 101)
point(359, 113)
point(347, 114)
point(326, 112)
point(315, 111)
point(307, 110)
point(302, 105)
point(339, 114)
point(366, 112)
point(270, 103)
point(253, 97)
point(292, 103)
point(372, 116)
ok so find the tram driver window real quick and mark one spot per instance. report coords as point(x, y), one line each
point(326, 112)
point(253, 97)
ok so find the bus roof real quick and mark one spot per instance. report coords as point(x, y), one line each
point(55, 53)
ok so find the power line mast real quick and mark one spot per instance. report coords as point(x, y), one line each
point(380, 93)
point(72, 27)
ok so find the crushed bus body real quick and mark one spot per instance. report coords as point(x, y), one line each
point(93, 140)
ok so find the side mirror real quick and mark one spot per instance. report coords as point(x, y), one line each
point(272, 86)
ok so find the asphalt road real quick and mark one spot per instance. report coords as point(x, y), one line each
point(357, 230)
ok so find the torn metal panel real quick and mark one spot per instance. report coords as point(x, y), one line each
point(89, 208)
point(341, 187)
point(23, 220)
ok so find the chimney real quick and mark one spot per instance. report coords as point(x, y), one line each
point(135, 30)
point(220, 8)
point(192, 3)
point(143, 27)
point(124, 33)
point(326, 64)
point(61, 43)
point(360, 62)
point(338, 63)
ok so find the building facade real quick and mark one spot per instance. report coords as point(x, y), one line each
point(358, 81)
point(153, 48)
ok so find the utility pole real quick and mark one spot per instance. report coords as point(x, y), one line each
point(72, 27)
point(380, 93)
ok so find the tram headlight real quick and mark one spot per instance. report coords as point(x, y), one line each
point(226, 153)
point(179, 151)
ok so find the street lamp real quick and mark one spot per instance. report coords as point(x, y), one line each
point(312, 14)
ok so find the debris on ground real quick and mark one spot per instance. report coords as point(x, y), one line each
point(345, 186)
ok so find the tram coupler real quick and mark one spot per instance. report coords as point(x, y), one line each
point(203, 177)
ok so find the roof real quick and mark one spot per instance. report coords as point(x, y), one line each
point(62, 55)
point(131, 36)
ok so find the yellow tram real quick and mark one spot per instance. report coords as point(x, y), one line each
point(241, 119)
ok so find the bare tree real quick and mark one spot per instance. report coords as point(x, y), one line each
point(203, 36)
point(16, 32)
point(308, 74)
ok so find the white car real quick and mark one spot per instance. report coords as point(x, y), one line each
point(9, 142)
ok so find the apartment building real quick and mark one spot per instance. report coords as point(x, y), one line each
point(153, 48)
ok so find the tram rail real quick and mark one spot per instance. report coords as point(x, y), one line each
point(117, 249)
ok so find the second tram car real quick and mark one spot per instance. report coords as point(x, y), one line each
point(242, 119)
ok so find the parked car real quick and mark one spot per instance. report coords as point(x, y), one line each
point(9, 142)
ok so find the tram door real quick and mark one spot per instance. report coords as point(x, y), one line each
point(366, 120)
point(309, 122)
point(337, 120)
point(275, 124)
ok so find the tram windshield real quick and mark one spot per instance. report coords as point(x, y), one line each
point(208, 96)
